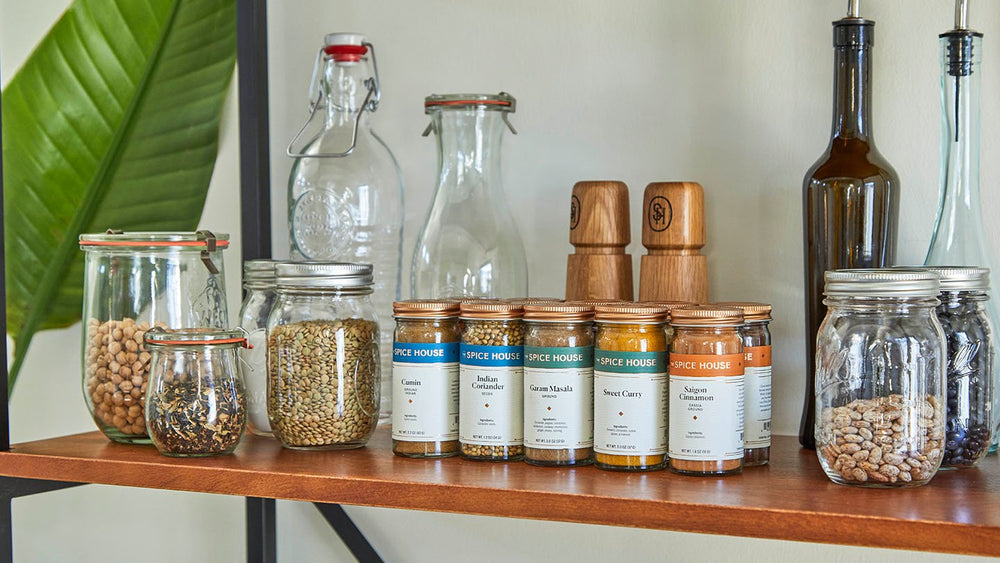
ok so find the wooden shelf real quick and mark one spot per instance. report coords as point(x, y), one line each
point(791, 499)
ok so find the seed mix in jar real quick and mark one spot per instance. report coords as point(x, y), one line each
point(491, 375)
point(425, 378)
point(558, 384)
point(630, 387)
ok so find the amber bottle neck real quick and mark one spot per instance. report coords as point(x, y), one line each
point(852, 96)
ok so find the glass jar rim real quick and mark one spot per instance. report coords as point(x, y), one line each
point(206, 337)
point(494, 102)
point(201, 240)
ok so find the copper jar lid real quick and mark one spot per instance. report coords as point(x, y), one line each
point(425, 308)
point(631, 313)
point(569, 311)
point(483, 309)
point(752, 311)
point(706, 315)
point(531, 300)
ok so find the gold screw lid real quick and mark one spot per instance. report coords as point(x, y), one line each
point(426, 308)
point(706, 315)
point(554, 312)
point(631, 313)
point(752, 310)
point(531, 300)
point(491, 310)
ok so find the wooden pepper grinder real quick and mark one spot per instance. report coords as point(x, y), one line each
point(599, 229)
point(673, 230)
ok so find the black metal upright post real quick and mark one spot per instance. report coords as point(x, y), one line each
point(255, 209)
point(7, 539)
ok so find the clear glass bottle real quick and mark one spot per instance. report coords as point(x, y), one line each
point(425, 378)
point(630, 387)
point(132, 283)
point(323, 356)
point(345, 192)
point(196, 403)
point(851, 194)
point(880, 379)
point(959, 236)
point(470, 245)
point(258, 282)
point(706, 391)
point(969, 335)
point(558, 384)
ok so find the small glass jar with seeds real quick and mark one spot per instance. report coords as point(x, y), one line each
point(491, 379)
point(258, 281)
point(630, 387)
point(881, 362)
point(195, 404)
point(323, 356)
point(558, 384)
point(425, 378)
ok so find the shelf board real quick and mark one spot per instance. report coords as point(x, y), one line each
point(790, 499)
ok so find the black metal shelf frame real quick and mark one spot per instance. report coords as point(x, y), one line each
point(255, 236)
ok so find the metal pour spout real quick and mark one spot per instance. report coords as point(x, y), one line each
point(854, 8)
point(961, 14)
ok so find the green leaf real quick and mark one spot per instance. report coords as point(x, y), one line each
point(113, 121)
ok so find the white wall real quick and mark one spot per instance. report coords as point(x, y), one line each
point(733, 94)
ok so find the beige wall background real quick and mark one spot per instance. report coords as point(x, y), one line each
point(730, 93)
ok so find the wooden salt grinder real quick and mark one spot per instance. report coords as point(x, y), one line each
point(599, 229)
point(673, 230)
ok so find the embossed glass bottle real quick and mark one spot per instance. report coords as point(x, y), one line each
point(345, 196)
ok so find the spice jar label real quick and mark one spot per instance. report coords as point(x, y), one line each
point(757, 397)
point(425, 392)
point(558, 397)
point(491, 390)
point(706, 407)
point(630, 403)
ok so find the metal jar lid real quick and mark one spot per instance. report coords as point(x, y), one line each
point(533, 300)
point(484, 309)
point(324, 275)
point(888, 282)
point(752, 311)
point(552, 312)
point(706, 315)
point(426, 309)
point(259, 271)
point(962, 278)
point(631, 313)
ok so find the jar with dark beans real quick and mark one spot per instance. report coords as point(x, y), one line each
point(963, 316)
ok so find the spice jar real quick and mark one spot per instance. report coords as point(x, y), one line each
point(706, 391)
point(969, 339)
point(491, 374)
point(558, 384)
point(880, 375)
point(425, 378)
point(757, 381)
point(630, 387)
point(323, 356)
point(195, 405)
point(258, 282)
point(133, 282)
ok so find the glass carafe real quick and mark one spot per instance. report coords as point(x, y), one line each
point(470, 245)
point(850, 195)
point(959, 236)
point(345, 196)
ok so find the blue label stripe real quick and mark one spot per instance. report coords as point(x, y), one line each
point(491, 356)
point(425, 353)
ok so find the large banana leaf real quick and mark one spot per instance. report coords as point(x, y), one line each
point(113, 121)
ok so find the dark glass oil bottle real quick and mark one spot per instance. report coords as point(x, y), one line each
point(850, 196)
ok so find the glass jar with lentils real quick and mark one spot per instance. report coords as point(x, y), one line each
point(491, 379)
point(323, 356)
